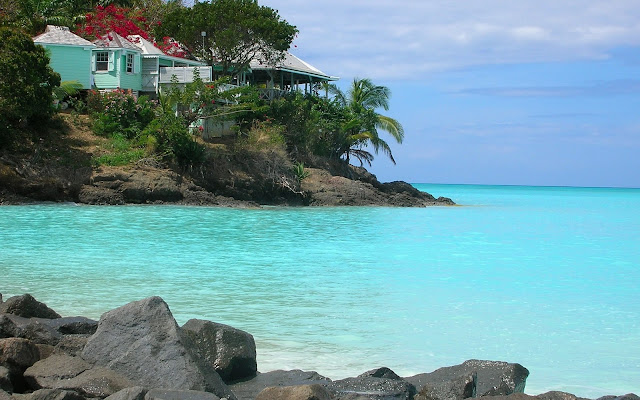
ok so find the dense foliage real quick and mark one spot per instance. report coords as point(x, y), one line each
point(26, 83)
point(345, 125)
point(237, 31)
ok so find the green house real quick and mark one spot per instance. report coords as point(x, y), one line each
point(116, 63)
point(69, 53)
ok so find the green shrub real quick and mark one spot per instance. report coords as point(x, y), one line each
point(26, 84)
point(120, 112)
point(122, 151)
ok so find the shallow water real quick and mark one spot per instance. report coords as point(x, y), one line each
point(547, 277)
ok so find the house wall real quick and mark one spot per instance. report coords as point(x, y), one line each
point(128, 80)
point(73, 63)
point(117, 77)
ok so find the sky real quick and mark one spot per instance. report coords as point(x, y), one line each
point(507, 92)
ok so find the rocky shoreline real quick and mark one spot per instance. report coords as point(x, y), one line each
point(138, 352)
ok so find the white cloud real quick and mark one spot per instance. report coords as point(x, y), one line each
point(408, 38)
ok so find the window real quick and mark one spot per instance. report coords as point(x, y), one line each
point(102, 61)
point(130, 63)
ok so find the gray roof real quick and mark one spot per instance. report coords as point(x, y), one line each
point(114, 41)
point(61, 35)
point(291, 63)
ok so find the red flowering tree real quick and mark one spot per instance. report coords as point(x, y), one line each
point(123, 21)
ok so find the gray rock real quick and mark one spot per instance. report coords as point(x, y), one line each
point(48, 373)
point(130, 393)
point(44, 350)
point(73, 373)
point(97, 382)
point(248, 390)
point(555, 395)
point(165, 394)
point(71, 345)
point(26, 306)
point(628, 396)
point(370, 387)
point(382, 372)
point(301, 392)
point(52, 394)
point(231, 351)
point(493, 377)
point(5, 396)
point(5, 380)
point(72, 325)
point(458, 388)
point(28, 328)
point(142, 342)
point(21, 353)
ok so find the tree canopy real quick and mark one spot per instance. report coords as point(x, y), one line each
point(236, 31)
point(26, 81)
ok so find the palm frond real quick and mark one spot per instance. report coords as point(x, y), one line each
point(392, 126)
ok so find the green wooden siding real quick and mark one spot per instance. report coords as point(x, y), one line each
point(117, 77)
point(73, 63)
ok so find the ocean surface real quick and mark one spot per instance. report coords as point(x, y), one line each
point(547, 277)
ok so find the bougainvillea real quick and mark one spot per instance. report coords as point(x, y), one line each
point(126, 22)
point(123, 21)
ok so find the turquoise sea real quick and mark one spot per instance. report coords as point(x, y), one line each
point(545, 276)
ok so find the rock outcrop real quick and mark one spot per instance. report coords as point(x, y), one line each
point(230, 351)
point(493, 377)
point(138, 352)
point(143, 342)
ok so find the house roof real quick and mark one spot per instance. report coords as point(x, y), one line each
point(146, 46)
point(114, 41)
point(61, 35)
point(149, 50)
point(293, 64)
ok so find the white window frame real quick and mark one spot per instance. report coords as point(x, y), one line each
point(103, 59)
point(130, 63)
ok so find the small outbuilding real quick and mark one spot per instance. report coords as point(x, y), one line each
point(69, 53)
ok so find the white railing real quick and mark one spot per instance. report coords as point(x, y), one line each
point(184, 74)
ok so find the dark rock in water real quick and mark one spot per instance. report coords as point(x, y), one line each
point(18, 352)
point(130, 393)
point(230, 351)
point(142, 341)
point(248, 390)
point(369, 387)
point(5, 380)
point(165, 394)
point(28, 307)
point(382, 372)
point(458, 388)
point(301, 392)
point(28, 328)
point(493, 377)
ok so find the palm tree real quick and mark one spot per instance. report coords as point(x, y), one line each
point(363, 122)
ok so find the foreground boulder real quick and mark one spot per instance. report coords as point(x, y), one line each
point(248, 390)
point(28, 328)
point(301, 392)
point(380, 384)
point(230, 351)
point(458, 388)
point(494, 378)
point(142, 341)
point(28, 307)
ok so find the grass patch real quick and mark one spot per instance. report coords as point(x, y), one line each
point(119, 151)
